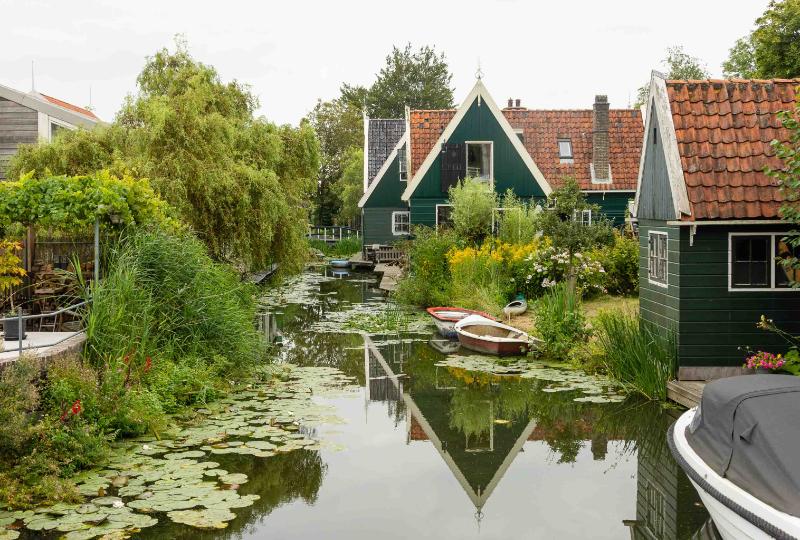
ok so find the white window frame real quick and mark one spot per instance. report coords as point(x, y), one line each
point(395, 232)
point(61, 125)
point(402, 159)
point(772, 260)
point(582, 214)
point(436, 216)
point(518, 132)
point(564, 159)
point(491, 158)
point(664, 284)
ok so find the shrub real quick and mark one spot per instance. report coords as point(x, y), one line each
point(473, 205)
point(621, 264)
point(635, 353)
point(70, 381)
point(477, 278)
point(548, 266)
point(560, 322)
point(428, 280)
point(344, 247)
point(518, 222)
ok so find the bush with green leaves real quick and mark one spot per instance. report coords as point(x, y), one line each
point(560, 322)
point(428, 279)
point(634, 352)
point(620, 261)
point(548, 266)
point(474, 203)
point(517, 224)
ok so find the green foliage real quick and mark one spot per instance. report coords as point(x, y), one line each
point(473, 206)
point(775, 44)
point(11, 271)
point(788, 178)
point(73, 203)
point(518, 222)
point(741, 62)
point(548, 266)
point(428, 280)
point(560, 322)
point(478, 281)
point(417, 79)
point(241, 183)
point(679, 65)
point(620, 262)
point(568, 234)
point(342, 248)
point(350, 186)
point(636, 353)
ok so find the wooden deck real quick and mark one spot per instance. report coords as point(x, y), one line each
point(686, 393)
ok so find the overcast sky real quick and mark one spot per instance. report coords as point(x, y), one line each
point(550, 54)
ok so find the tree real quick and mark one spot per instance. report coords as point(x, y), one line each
point(772, 50)
point(350, 186)
point(680, 65)
point(417, 79)
point(241, 183)
point(741, 62)
point(569, 234)
point(789, 180)
point(473, 204)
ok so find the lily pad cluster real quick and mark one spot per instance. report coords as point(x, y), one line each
point(178, 477)
point(300, 289)
point(591, 388)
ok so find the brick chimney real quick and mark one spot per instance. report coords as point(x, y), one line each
point(510, 103)
point(517, 103)
point(600, 139)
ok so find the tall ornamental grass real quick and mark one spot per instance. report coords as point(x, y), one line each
point(560, 321)
point(165, 299)
point(636, 353)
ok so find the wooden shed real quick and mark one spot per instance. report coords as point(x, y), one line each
point(709, 223)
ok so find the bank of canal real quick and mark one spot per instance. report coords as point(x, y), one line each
point(397, 435)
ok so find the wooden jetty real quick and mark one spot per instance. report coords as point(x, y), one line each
point(686, 393)
point(259, 277)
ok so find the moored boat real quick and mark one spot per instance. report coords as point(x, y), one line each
point(484, 335)
point(446, 317)
point(739, 451)
point(516, 307)
point(339, 263)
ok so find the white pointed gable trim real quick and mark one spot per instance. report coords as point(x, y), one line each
point(658, 104)
point(38, 104)
point(479, 90)
point(383, 169)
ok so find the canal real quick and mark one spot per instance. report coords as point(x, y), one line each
point(442, 451)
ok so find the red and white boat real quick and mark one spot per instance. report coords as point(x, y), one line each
point(484, 335)
point(445, 318)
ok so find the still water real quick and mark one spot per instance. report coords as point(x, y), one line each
point(439, 452)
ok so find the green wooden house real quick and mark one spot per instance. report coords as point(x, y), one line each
point(709, 223)
point(525, 150)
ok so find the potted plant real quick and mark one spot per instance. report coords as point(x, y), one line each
point(11, 274)
point(764, 362)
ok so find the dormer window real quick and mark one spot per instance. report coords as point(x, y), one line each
point(565, 150)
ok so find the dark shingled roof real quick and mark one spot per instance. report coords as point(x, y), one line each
point(382, 136)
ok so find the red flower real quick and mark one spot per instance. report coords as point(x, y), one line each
point(148, 363)
point(76, 407)
point(126, 358)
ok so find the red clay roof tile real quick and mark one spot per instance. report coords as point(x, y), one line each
point(541, 130)
point(724, 130)
point(70, 107)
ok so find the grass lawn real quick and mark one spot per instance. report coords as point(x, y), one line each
point(591, 307)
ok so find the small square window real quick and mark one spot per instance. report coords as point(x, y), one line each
point(479, 160)
point(584, 217)
point(443, 212)
point(564, 149)
point(751, 262)
point(401, 223)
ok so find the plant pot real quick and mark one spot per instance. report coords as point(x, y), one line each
point(11, 328)
point(762, 371)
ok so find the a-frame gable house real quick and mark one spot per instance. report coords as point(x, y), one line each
point(709, 220)
point(477, 141)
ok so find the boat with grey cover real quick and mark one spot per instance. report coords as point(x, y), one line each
point(739, 449)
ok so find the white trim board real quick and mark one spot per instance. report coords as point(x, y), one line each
point(658, 98)
point(383, 169)
point(771, 262)
point(729, 222)
point(478, 91)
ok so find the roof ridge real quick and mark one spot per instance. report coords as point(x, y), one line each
point(735, 81)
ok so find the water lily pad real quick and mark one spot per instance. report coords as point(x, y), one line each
point(203, 519)
point(233, 478)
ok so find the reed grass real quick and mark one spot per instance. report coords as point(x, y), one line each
point(640, 356)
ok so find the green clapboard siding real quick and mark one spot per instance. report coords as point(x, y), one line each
point(713, 325)
point(376, 215)
point(376, 224)
point(613, 205)
point(510, 171)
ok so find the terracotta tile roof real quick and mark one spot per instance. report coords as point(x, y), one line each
point(724, 129)
point(70, 107)
point(542, 129)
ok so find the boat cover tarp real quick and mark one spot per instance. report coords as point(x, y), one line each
point(747, 430)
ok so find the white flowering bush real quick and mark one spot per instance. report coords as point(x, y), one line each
point(548, 266)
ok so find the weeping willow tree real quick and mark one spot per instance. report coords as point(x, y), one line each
point(242, 183)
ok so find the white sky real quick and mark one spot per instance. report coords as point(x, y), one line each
point(551, 53)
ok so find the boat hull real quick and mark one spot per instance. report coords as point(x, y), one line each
point(736, 513)
point(446, 328)
point(340, 263)
point(445, 319)
point(504, 348)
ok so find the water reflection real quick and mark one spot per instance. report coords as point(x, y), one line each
point(439, 452)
